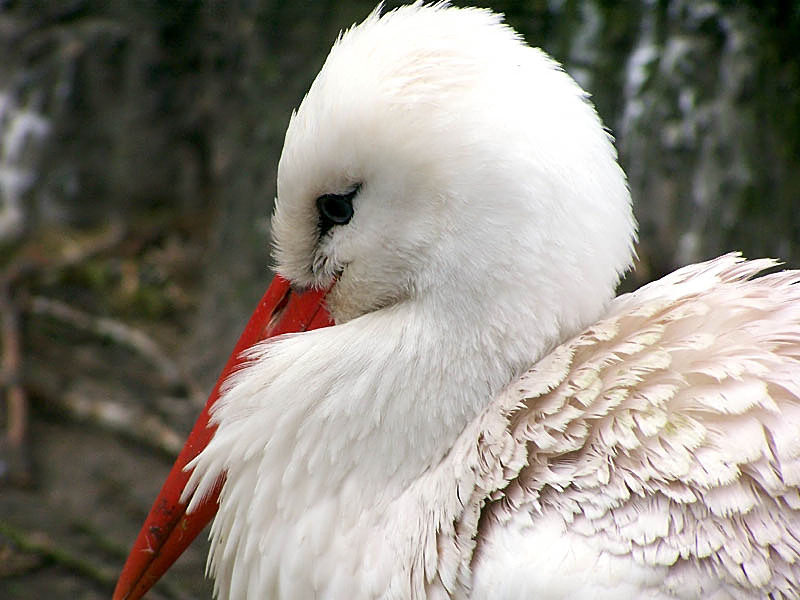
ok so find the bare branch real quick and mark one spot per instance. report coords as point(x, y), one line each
point(117, 331)
point(39, 543)
point(131, 421)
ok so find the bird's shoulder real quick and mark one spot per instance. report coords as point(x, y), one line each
point(665, 436)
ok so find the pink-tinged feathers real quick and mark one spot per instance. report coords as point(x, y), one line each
point(669, 432)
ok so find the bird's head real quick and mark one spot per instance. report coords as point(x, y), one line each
point(437, 154)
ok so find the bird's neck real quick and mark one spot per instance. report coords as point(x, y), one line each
point(377, 400)
point(401, 385)
point(325, 433)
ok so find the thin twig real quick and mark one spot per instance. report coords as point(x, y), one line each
point(114, 330)
point(27, 263)
point(131, 421)
point(17, 461)
point(40, 544)
point(14, 562)
point(11, 363)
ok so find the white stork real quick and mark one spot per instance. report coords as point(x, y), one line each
point(485, 419)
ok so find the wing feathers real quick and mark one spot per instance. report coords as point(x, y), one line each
point(670, 431)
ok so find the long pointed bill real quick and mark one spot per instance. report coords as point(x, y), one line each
point(168, 530)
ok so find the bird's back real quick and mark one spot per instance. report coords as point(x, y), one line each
point(662, 449)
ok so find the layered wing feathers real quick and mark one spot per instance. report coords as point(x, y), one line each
point(670, 431)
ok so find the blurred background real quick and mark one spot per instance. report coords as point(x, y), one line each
point(138, 148)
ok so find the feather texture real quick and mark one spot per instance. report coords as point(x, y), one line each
point(646, 446)
point(669, 433)
point(666, 456)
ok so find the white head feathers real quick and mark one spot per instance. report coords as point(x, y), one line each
point(477, 157)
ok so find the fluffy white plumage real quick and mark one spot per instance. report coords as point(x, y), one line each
point(484, 421)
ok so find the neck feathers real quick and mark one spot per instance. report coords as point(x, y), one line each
point(322, 438)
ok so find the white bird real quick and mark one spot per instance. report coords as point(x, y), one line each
point(485, 419)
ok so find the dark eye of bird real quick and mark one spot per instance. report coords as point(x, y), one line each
point(335, 209)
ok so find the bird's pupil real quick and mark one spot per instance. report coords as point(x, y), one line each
point(335, 209)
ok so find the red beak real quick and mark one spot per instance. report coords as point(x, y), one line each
point(168, 530)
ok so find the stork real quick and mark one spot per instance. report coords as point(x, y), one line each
point(484, 419)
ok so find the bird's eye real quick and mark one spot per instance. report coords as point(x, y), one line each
point(335, 209)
